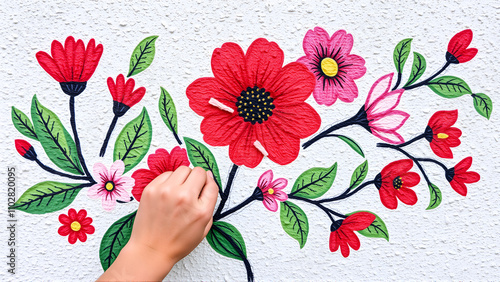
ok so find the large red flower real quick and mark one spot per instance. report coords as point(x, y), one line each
point(441, 135)
point(123, 93)
point(254, 104)
point(71, 65)
point(394, 182)
point(76, 225)
point(457, 48)
point(342, 232)
point(158, 163)
point(458, 176)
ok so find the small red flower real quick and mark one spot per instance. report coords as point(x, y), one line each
point(457, 48)
point(458, 176)
point(342, 232)
point(394, 181)
point(441, 135)
point(25, 149)
point(254, 104)
point(71, 65)
point(77, 226)
point(158, 163)
point(124, 95)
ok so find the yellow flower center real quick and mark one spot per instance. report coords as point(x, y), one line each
point(329, 67)
point(75, 226)
point(270, 191)
point(442, 135)
point(109, 186)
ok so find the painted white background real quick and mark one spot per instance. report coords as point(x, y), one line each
point(457, 241)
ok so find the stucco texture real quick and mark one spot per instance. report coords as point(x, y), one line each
point(456, 241)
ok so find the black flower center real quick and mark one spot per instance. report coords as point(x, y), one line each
point(450, 174)
point(255, 105)
point(336, 225)
point(73, 88)
point(397, 183)
point(429, 134)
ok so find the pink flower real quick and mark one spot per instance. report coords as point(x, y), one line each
point(382, 120)
point(272, 190)
point(111, 185)
point(335, 69)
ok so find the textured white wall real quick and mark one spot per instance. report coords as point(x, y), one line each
point(457, 241)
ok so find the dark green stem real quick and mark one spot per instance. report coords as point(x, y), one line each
point(424, 82)
point(75, 135)
point(227, 190)
point(108, 135)
point(328, 211)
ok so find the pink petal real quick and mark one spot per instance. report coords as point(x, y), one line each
point(95, 191)
point(392, 121)
point(391, 137)
point(340, 43)
point(270, 203)
point(109, 203)
point(354, 67)
point(380, 87)
point(117, 169)
point(279, 184)
point(385, 103)
point(264, 180)
point(313, 39)
point(121, 194)
point(349, 91)
point(125, 183)
point(101, 173)
point(280, 196)
point(326, 91)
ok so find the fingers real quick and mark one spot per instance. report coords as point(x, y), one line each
point(196, 180)
point(179, 176)
point(208, 195)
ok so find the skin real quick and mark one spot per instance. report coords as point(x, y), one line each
point(174, 215)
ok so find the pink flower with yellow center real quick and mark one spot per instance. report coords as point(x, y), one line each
point(272, 190)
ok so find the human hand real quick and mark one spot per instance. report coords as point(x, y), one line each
point(174, 216)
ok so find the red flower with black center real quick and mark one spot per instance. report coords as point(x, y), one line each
point(159, 162)
point(254, 104)
point(458, 176)
point(394, 182)
point(25, 149)
point(71, 65)
point(441, 135)
point(124, 95)
point(76, 225)
point(342, 232)
point(457, 48)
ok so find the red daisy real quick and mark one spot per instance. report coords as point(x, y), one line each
point(158, 163)
point(124, 95)
point(71, 65)
point(458, 176)
point(342, 232)
point(394, 181)
point(457, 48)
point(441, 135)
point(254, 104)
point(77, 226)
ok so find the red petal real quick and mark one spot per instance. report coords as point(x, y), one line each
point(69, 50)
point(201, 90)
point(81, 215)
point(243, 152)
point(344, 249)
point(79, 59)
point(358, 221)
point(135, 97)
point(72, 237)
point(300, 120)
point(463, 165)
point(228, 66)
point(92, 57)
point(159, 162)
point(64, 230)
point(459, 187)
point(22, 146)
point(407, 196)
point(50, 66)
point(441, 149)
point(334, 241)
point(282, 148)
point(467, 55)
point(396, 169)
point(222, 128)
point(89, 229)
point(64, 219)
point(264, 60)
point(72, 214)
point(441, 120)
point(59, 56)
point(388, 197)
point(142, 178)
point(294, 84)
point(178, 157)
point(86, 221)
point(469, 177)
point(81, 236)
point(410, 179)
point(112, 89)
point(460, 41)
point(352, 239)
point(120, 87)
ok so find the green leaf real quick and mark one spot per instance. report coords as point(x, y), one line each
point(417, 70)
point(143, 55)
point(168, 112)
point(227, 240)
point(359, 174)
point(48, 196)
point(314, 182)
point(376, 230)
point(55, 139)
point(23, 123)
point(483, 104)
point(401, 53)
point(449, 86)
point(133, 142)
point(352, 144)
point(200, 155)
point(115, 238)
point(294, 222)
point(436, 197)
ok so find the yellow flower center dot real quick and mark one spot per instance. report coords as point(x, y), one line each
point(270, 191)
point(109, 186)
point(329, 67)
point(75, 226)
point(442, 135)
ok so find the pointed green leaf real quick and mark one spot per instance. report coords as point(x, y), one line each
point(352, 144)
point(200, 155)
point(483, 104)
point(115, 238)
point(359, 175)
point(133, 142)
point(436, 197)
point(168, 113)
point(48, 196)
point(314, 182)
point(417, 70)
point(143, 55)
point(23, 124)
point(226, 240)
point(376, 230)
point(449, 86)
point(401, 53)
point(55, 139)
point(294, 222)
